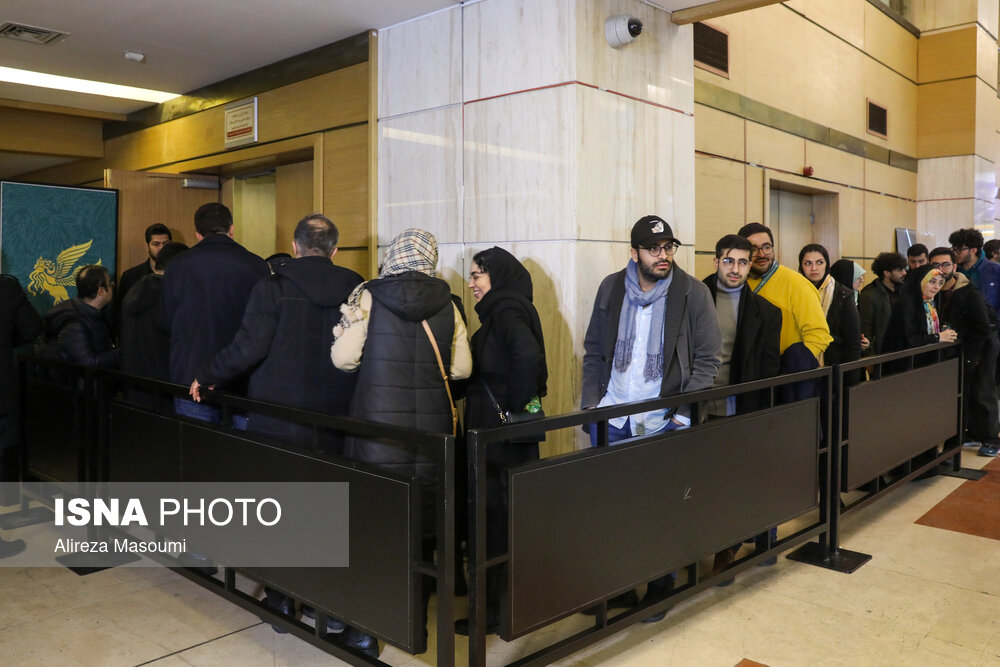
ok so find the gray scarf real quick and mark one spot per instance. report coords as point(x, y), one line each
point(635, 298)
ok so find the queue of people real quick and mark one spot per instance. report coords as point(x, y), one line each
point(304, 332)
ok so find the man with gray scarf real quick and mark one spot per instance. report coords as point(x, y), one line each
point(653, 333)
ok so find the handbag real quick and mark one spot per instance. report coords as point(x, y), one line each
point(507, 417)
point(444, 376)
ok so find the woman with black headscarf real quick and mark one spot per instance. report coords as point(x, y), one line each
point(838, 306)
point(914, 320)
point(509, 376)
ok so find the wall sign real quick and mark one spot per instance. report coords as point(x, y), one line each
point(241, 123)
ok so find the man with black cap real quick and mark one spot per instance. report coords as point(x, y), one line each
point(653, 333)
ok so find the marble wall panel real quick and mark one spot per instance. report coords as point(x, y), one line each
point(946, 177)
point(989, 17)
point(520, 166)
point(984, 213)
point(420, 64)
point(657, 67)
point(985, 179)
point(882, 215)
point(937, 219)
point(986, 55)
point(987, 106)
point(512, 45)
point(420, 174)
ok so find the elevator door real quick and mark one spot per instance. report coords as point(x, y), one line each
point(791, 224)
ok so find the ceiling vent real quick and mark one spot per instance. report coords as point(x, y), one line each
point(30, 34)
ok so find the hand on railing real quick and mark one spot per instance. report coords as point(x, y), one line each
point(195, 390)
point(947, 335)
point(865, 343)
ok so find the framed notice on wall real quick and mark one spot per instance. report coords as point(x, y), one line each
point(49, 232)
point(241, 122)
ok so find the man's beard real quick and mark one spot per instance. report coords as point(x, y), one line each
point(757, 273)
point(649, 272)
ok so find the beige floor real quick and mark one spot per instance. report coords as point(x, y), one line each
point(927, 597)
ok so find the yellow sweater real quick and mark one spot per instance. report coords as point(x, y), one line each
point(802, 318)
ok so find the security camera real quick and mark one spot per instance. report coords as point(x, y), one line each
point(621, 30)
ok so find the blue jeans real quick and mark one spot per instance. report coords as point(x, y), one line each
point(616, 434)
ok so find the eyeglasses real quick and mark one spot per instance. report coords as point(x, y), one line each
point(941, 265)
point(667, 249)
point(730, 262)
point(765, 249)
point(959, 248)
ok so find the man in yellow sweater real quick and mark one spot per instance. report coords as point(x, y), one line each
point(802, 318)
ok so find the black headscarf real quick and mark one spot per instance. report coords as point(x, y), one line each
point(510, 287)
point(843, 272)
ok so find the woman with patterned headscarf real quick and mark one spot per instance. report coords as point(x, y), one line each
point(914, 320)
point(381, 335)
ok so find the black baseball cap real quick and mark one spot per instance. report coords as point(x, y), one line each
point(651, 229)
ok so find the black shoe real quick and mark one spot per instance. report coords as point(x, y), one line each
point(11, 548)
point(626, 600)
point(365, 643)
point(656, 590)
point(723, 560)
point(333, 626)
point(281, 604)
point(492, 626)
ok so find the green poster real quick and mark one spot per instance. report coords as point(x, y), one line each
point(48, 232)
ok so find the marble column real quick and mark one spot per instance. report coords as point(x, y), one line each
point(514, 123)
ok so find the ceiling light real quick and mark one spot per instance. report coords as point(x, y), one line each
point(27, 78)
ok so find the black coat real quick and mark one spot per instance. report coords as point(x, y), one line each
point(907, 326)
point(205, 291)
point(19, 324)
point(399, 382)
point(80, 335)
point(965, 310)
point(144, 343)
point(875, 306)
point(845, 327)
point(756, 350)
point(130, 278)
point(508, 352)
point(285, 340)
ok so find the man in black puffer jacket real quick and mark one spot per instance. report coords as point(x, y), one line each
point(76, 329)
point(286, 335)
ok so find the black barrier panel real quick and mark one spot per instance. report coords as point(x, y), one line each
point(588, 525)
point(143, 447)
point(57, 429)
point(883, 428)
point(377, 592)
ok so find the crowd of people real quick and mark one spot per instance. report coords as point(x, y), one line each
point(304, 332)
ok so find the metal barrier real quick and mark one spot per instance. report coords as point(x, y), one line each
point(586, 526)
point(879, 444)
point(381, 592)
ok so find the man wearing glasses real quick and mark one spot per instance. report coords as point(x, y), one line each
point(968, 247)
point(962, 307)
point(653, 333)
point(803, 324)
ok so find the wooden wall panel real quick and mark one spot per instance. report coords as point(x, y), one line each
point(147, 198)
point(25, 131)
point(881, 177)
point(947, 55)
point(882, 215)
point(946, 118)
point(345, 183)
point(718, 133)
point(837, 166)
point(253, 214)
point(899, 96)
point(889, 42)
point(703, 265)
point(844, 18)
point(851, 206)
point(775, 149)
point(718, 200)
point(355, 259)
point(293, 200)
point(986, 128)
point(755, 211)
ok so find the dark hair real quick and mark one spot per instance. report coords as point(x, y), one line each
point(91, 278)
point(814, 247)
point(916, 250)
point(732, 242)
point(887, 261)
point(751, 228)
point(966, 238)
point(212, 218)
point(158, 229)
point(482, 258)
point(942, 251)
point(316, 235)
point(167, 253)
point(991, 248)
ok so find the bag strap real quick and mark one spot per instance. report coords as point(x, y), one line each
point(444, 376)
